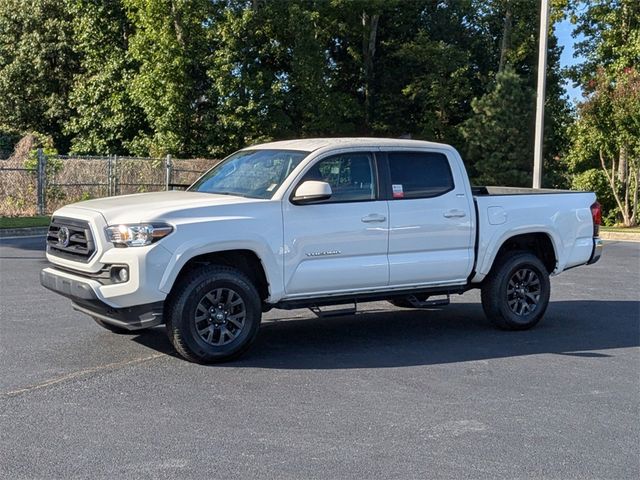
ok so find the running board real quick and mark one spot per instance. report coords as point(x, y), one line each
point(336, 312)
point(416, 303)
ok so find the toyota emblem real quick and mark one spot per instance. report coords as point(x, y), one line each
point(63, 237)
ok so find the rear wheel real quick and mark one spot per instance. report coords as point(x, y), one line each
point(214, 314)
point(516, 293)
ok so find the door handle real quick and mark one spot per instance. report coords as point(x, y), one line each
point(454, 214)
point(373, 218)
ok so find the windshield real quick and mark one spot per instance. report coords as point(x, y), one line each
point(250, 173)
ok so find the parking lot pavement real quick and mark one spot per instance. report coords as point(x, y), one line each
point(388, 393)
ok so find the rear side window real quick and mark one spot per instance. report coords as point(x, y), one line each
point(419, 174)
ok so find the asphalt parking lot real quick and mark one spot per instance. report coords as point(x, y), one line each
point(389, 393)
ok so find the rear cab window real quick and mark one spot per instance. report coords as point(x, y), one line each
point(419, 175)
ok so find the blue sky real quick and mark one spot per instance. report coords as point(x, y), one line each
point(563, 31)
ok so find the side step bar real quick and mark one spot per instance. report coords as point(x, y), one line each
point(426, 303)
point(336, 312)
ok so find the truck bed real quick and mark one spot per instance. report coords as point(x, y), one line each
point(483, 191)
point(564, 215)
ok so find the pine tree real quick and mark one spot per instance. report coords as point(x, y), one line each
point(497, 134)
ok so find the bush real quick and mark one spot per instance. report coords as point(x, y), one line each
point(8, 139)
point(594, 180)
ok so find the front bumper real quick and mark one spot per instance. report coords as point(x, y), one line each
point(83, 294)
point(596, 253)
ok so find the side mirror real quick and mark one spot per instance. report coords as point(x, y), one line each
point(312, 191)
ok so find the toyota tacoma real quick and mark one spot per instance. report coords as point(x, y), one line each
point(314, 223)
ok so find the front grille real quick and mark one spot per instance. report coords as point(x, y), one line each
point(70, 238)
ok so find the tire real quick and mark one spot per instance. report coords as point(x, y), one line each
point(116, 329)
point(516, 293)
point(213, 315)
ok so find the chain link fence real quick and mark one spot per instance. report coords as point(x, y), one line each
point(57, 180)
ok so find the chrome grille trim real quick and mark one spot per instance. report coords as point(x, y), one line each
point(81, 245)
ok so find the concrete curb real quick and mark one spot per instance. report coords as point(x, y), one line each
point(620, 236)
point(23, 232)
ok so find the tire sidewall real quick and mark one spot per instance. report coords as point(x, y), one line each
point(507, 271)
point(185, 308)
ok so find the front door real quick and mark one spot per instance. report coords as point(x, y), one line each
point(340, 244)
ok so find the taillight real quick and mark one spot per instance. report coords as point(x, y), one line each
point(596, 214)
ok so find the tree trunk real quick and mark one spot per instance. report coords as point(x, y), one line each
point(175, 16)
point(370, 24)
point(622, 164)
point(506, 34)
point(611, 177)
point(634, 212)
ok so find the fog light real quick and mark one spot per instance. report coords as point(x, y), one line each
point(123, 275)
point(120, 274)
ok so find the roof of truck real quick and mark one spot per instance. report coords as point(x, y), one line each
point(311, 144)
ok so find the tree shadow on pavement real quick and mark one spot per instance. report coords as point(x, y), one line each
point(12, 247)
point(458, 333)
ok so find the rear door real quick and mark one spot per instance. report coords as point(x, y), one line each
point(340, 244)
point(430, 229)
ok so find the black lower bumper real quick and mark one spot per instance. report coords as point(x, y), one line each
point(130, 318)
point(596, 253)
point(72, 288)
point(86, 301)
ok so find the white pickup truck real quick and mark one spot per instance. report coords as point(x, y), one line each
point(313, 223)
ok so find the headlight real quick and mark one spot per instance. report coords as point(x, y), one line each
point(137, 235)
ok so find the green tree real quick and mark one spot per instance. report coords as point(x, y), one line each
point(170, 45)
point(105, 118)
point(427, 71)
point(497, 133)
point(37, 63)
point(607, 131)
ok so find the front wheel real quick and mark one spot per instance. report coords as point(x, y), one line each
point(516, 292)
point(214, 314)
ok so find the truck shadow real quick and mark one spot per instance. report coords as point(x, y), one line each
point(458, 333)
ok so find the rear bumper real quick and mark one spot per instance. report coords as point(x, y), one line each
point(596, 253)
point(82, 293)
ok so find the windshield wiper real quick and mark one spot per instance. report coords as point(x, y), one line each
point(228, 193)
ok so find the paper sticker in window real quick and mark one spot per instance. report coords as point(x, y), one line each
point(397, 191)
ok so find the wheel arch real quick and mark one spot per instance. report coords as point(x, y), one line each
point(540, 244)
point(244, 259)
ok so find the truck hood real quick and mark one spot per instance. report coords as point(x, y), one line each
point(144, 207)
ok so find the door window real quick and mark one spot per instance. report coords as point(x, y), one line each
point(350, 176)
point(419, 174)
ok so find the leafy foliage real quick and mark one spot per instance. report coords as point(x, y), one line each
point(205, 77)
point(170, 47)
point(37, 62)
point(607, 132)
point(497, 135)
point(105, 119)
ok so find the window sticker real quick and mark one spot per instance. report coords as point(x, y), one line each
point(271, 187)
point(335, 170)
point(397, 191)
